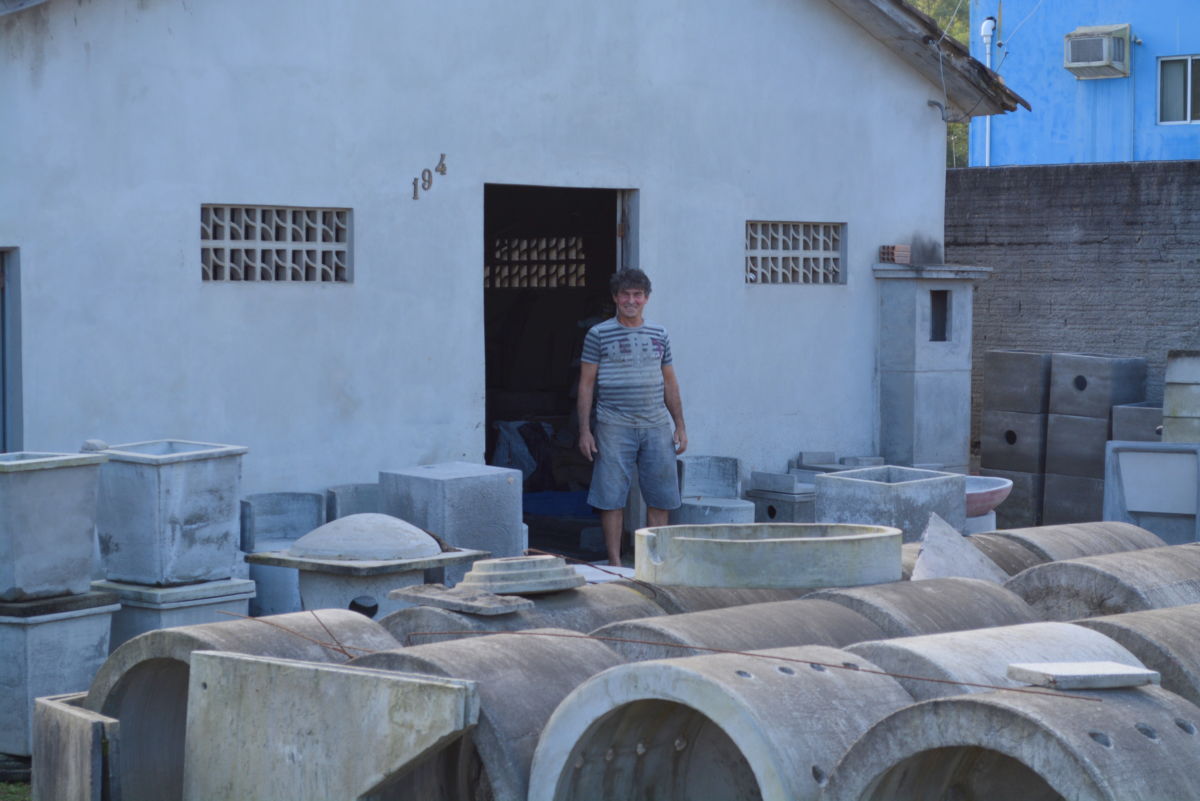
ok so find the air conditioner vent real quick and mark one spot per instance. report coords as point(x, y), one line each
point(1097, 51)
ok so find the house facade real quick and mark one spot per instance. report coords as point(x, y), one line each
point(1108, 80)
point(354, 236)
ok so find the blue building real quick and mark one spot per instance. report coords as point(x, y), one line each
point(1108, 80)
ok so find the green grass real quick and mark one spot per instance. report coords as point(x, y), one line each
point(14, 792)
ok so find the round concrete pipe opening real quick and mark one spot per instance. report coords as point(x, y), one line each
point(151, 702)
point(1010, 437)
point(967, 773)
point(656, 749)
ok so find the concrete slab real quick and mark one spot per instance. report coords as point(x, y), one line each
point(945, 553)
point(1082, 675)
point(1023, 507)
point(714, 476)
point(335, 731)
point(779, 482)
point(461, 599)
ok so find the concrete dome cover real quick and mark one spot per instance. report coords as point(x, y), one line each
point(365, 537)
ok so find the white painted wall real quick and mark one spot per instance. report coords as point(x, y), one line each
point(124, 116)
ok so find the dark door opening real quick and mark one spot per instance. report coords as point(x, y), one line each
point(548, 256)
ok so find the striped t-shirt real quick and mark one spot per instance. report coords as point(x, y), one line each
point(629, 381)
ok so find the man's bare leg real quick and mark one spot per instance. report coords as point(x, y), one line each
point(656, 517)
point(610, 523)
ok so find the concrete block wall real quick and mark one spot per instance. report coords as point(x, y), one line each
point(1098, 258)
point(1012, 437)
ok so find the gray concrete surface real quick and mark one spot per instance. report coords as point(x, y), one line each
point(1089, 385)
point(71, 747)
point(1072, 540)
point(1090, 586)
point(1155, 485)
point(902, 497)
point(1164, 640)
point(521, 678)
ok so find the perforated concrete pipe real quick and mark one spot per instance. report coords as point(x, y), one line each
point(909, 608)
point(739, 728)
point(1114, 583)
point(958, 659)
point(522, 677)
point(580, 610)
point(1165, 640)
point(144, 683)
point(1135, 743)
point(740, 628)
point(1075, 540)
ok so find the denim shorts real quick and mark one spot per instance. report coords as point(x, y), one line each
point(622, 448)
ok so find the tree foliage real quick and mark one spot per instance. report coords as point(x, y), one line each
point(957, 25)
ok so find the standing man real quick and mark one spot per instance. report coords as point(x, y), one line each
point(626, 366)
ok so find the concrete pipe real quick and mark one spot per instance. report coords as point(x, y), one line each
point(522, 677)
point(678, 599)
point(1009, 555)
point(948, 664)
point(740, 628)
point(581, 610)
point(1112, 584)
point(144, 683)
point(1136, 743)
point(1164, 639)
point(739, 728)
point(932, 606)
point(1073, 540)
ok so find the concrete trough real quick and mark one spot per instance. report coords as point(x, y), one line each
point(932, 606)
point(752, 627)
point(521, 679)
point(768, 555)
point(1091, 586)
point(1093, 745)
point(767, 726)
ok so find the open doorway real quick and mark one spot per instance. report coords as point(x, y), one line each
point(549, 253)
point(10, 363)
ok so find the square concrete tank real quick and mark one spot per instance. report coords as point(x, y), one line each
point(901, 497)
point(1089, 385)
point(468, 505)
point(47, 523)
point(1137, 422)
point(1013, 441)
point(1075, 445)
point(47, 647)
point(168, 511)
point(1016, 381)
point(784, 507)
point(1072, 499)
point(1023, 507)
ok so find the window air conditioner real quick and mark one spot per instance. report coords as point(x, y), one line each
point(1099, 51)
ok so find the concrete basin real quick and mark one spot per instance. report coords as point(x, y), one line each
point(768, 555)
point(985, 493)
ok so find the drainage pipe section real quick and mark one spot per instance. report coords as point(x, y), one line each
point(1164, 639)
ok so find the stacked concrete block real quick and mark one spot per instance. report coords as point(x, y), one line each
point(782, 498)
point(1137, 422)
point(1016, 392)
point(1181, 397)
point(54, 629)
point(924, 361)
point(467, 505)
point(708, 486)
point(169, 524)
point(1083, 390)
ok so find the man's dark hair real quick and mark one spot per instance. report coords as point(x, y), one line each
point(632, 278)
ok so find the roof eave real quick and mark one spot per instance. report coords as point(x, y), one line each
point(971, 89)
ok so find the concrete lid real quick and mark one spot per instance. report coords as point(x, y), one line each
point(365, 537)
point(522, 575)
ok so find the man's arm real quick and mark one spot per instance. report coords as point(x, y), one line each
point(587, 387)
point(674, 406)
